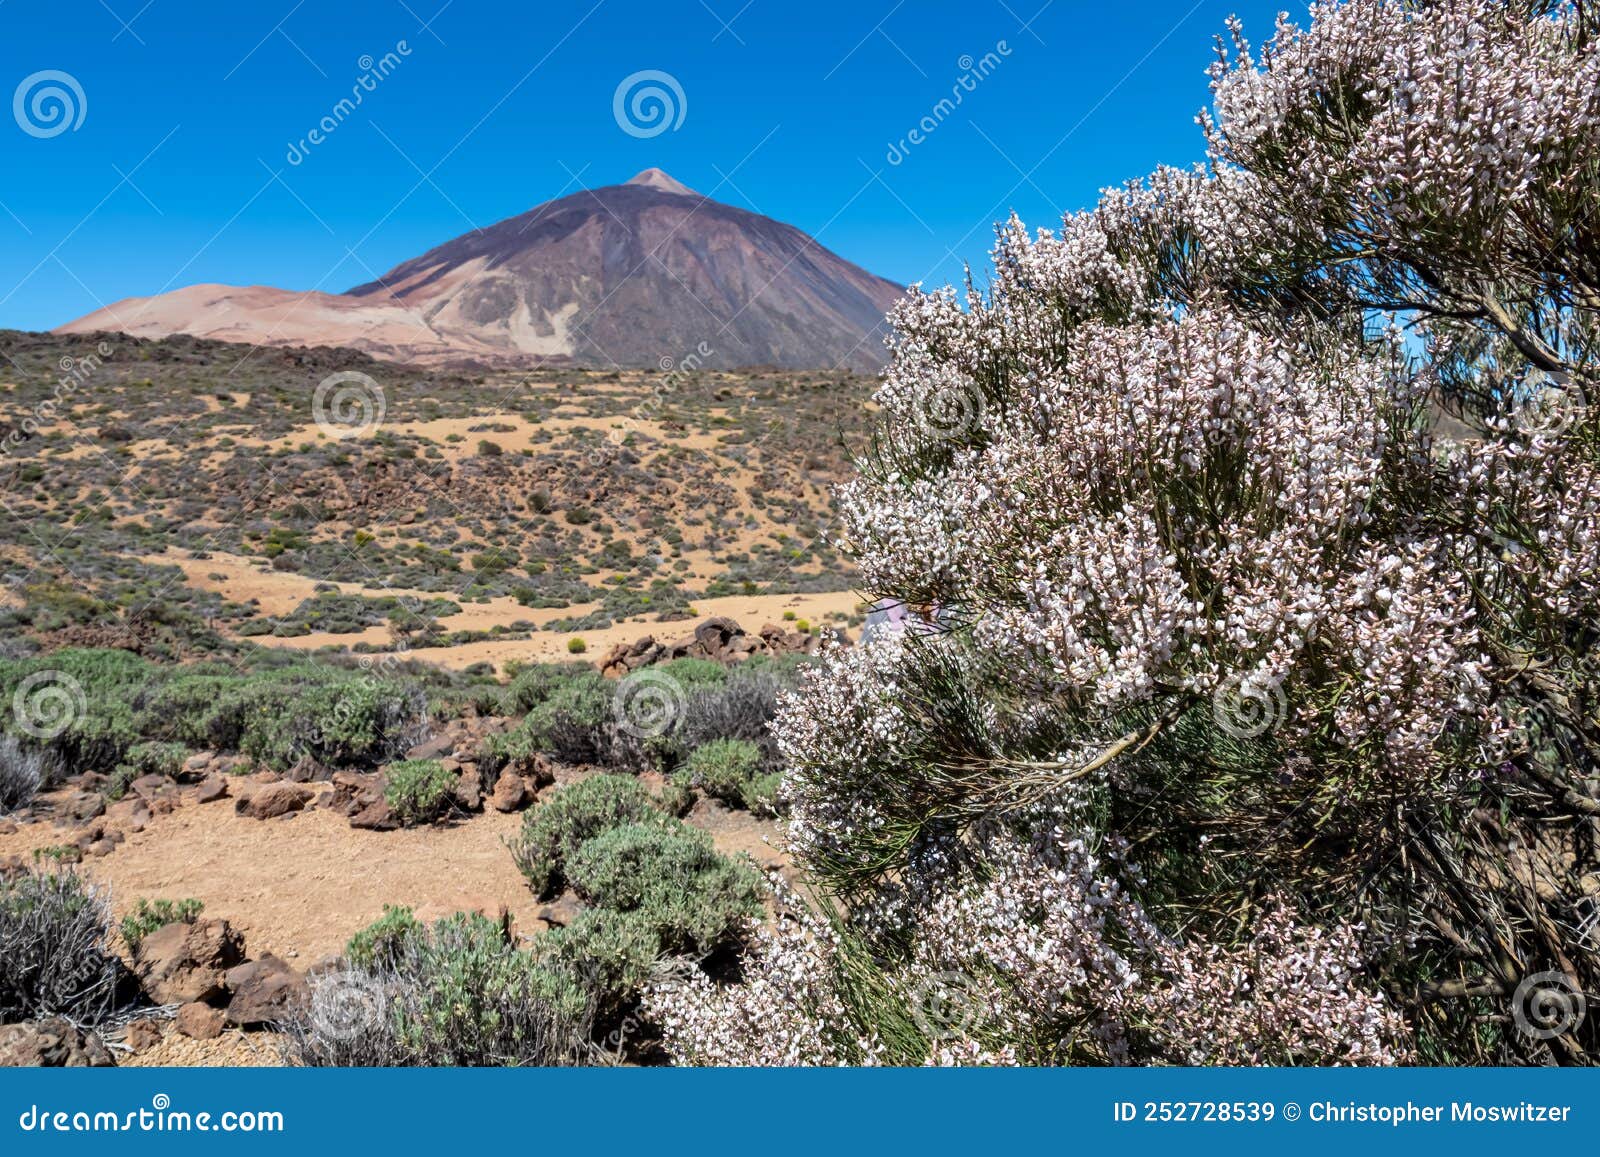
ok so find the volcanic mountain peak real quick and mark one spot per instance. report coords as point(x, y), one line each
point(657, 179)
point(623, 275)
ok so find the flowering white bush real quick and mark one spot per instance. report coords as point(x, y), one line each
point(1050, 960)
point(1261, 508)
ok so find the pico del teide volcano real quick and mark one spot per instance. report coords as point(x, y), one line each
point(626, 275)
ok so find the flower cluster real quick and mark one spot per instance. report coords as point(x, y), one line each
point(1050, 960)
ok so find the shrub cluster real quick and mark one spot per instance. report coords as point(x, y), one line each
point(383, 939)
point(108, 709)
point(418, 790)
point(55, 954)
point(732, 770)
point(670, 878)
point(456, 993)
point(709, 702)
point(577, 716)
point(554, 831)
point(569, 715)
point(533, 684)
point(652, 885)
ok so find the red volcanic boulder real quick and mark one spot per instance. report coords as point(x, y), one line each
point(271, 800)
point(180, 963)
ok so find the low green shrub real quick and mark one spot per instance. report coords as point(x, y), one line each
point(418, 790)
point(559, 826)
point(106, 708)
point(691, 673)
point(732, 770)
point(335, 718)
point(152, 758)
point(607, 953)
point(669, 875)
point(202, 709)
point(534, 684)
point(651, 886)
point(148, 915)
point(80, 700)
point(380, 943)
point(574, 722)
point(455, 993)
point(515, 749)
point(156, 758)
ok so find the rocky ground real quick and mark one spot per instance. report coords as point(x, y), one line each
point(188, 502)
point(287, 871)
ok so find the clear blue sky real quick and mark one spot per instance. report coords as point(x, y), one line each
point(178, 170)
